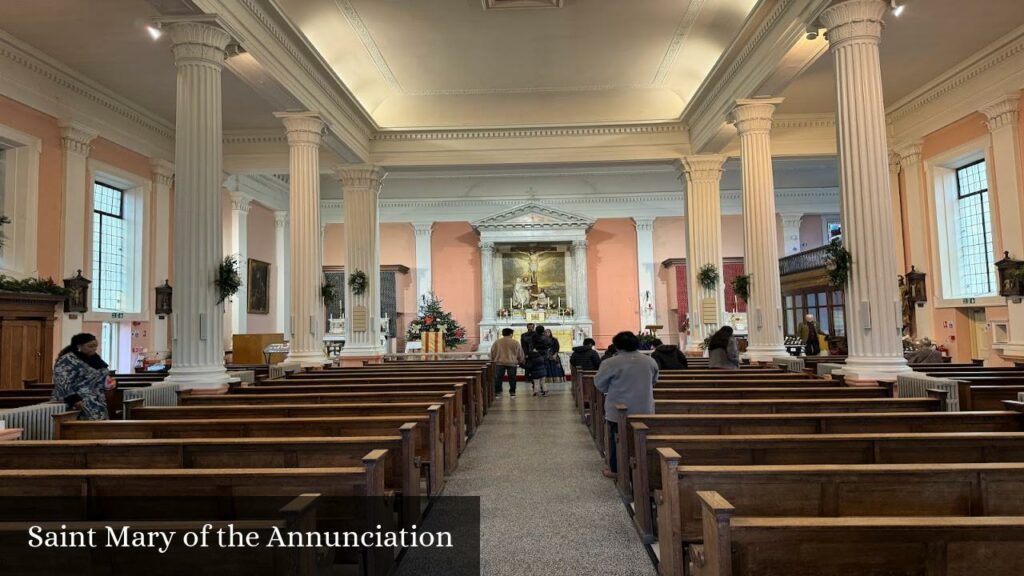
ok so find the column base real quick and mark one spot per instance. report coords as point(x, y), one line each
point(1011, 350)
point(357, 361)
point(308, 359)
point(862, 369)
point(764, 353)
point(208, 379)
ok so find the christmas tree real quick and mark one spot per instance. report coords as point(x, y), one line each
point(433, 318)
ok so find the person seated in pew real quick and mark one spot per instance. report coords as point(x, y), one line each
point(585, 357)
point(926, 353)
point(609, 352)
point(507, 354)
point(722, 350)
point(80, 378)
point(668, 356)
point(626, 378)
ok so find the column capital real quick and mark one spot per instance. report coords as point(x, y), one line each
point(197, 42)
point(240, 202)
point(360, 176)
point(421, 229)
point(643, 223)
point(76, 138)
point(1002, 112)
point(580, 244)
point(280, 218)
point(302, 128)
point(894, 162)
point(486, 246)
point(163, 172)
point(909, 154)
point(791, 219)
point(702, 167)
point(753, 115)
point(854, 21)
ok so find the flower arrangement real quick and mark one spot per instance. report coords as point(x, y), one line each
point(32, 285)
point(705, 343)
point(647, 340)
point(358, 282)
point(228, 281)
point(566, 311)
point(837, 262)
point(708, 276)
point(684, 323)
point(741, 286)
point(504, 313)
point(434, 318)
point(329, 293)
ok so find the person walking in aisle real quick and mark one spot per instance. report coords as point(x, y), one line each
point(553, 366)
point(507, 355)
point(536, 372)
point(809, 336)
point(722, 350)
point(526, 341)
point(626, 378)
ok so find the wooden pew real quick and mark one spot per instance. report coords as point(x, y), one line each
point(736, 545)
point(960, 489)
point(134, 410)
point(428, 448)
point(299, 515)
point(794, 406)
point(400, 469)
point(772, 393)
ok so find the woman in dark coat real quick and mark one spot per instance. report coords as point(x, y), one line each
point(553, 362)
point(80, 378)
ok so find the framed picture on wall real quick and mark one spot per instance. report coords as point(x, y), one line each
point(259, 287)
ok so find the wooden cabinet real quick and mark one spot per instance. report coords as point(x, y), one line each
point(26, 338)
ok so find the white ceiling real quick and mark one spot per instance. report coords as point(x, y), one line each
point(106, 41)
point(927, 39)
point(451, 63)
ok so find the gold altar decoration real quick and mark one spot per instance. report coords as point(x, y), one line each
point(533, 279)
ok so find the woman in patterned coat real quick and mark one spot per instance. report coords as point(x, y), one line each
point(80, 378)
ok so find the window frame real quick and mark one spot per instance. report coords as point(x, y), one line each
point(986, 221)
point(97, 276)
point(19, 256)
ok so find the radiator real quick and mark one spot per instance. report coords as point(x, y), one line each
point(916, 385)
point(826, 369)
point(159, 394)
point(789, 363)
point(246, 377)
point(36, 420)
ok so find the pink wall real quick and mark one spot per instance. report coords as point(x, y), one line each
point(612, 282)
point(455, 264)
point(732, 236)
point(810, 233)
point(334, 245)
point(261, 246)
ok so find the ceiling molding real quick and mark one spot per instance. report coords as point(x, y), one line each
point(533, 173)
point(41, 82)
point(682, 31)
point(366, 39)
point(242, 137)
point(800, 121)
point(609, 130)
point(263, 188)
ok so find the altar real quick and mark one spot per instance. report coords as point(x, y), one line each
point(534, 270)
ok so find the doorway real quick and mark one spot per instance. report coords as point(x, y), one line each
point(981, 339)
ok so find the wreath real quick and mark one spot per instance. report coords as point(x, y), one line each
point(329, 293)
point(358, 282)
point(741, 286)
point(708, 276)
point(32, 285)
point(228, 281)
point(837, 263)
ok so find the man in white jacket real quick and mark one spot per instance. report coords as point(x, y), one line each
point(626, 378)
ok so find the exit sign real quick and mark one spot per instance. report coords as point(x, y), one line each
point(117, 315)
point(968, 300)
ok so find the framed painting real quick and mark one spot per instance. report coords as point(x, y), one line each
point(259, 287)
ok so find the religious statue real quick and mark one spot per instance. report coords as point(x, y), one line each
point(533, 261)
point(541, 300)
point(521, 292)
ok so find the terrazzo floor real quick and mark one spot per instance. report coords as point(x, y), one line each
point(545, 507)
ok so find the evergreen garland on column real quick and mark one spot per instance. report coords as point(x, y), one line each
point(432, 318)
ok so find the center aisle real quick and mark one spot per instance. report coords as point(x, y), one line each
point(545, 507)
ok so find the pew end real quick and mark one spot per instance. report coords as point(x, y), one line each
point(60, 419)
point(1014, 405)
point(129, 405)
point(942, 396)
point(715, 556)
point(622, 451)
point(667, 500)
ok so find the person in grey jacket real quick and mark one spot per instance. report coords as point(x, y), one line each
point(722, 350)
point(626, 378)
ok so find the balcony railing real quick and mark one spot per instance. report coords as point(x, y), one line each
point(802, 262)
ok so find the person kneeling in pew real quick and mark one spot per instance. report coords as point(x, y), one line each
point(626, 378)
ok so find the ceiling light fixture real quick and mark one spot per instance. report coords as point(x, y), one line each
point(154, 32)
point(897, 9)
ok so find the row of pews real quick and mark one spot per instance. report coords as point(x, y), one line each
point(386, 435)
point(759, 471)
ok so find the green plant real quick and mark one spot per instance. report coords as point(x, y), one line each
point(32, 285)
point(358, 282)
point(708, 276)
point(228, 281)
point(741, 286)
point(329, 293)
point(837, 262)
point(705, 343)
point(434, 318)
point(3, 220)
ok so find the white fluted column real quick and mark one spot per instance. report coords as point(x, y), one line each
point(487, 291)
point(646, 270)
point(424, 280)
point(360, 185)
point(917, 215)
point(198, 343)
point(240, 204)
point(1003, 119)
point(703, 240)
point(163, 179)
point(791, 233)
point(872, 296)
point(76, 141)
point(282, 282)
point(305, 133)
point(581, 306)
point(753, 120)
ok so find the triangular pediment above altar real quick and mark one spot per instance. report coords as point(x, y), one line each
point(533, 216)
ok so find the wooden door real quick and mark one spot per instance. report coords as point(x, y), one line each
point(981, 342)
point(22, 350)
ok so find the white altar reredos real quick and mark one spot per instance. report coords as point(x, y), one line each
point(534, 269)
